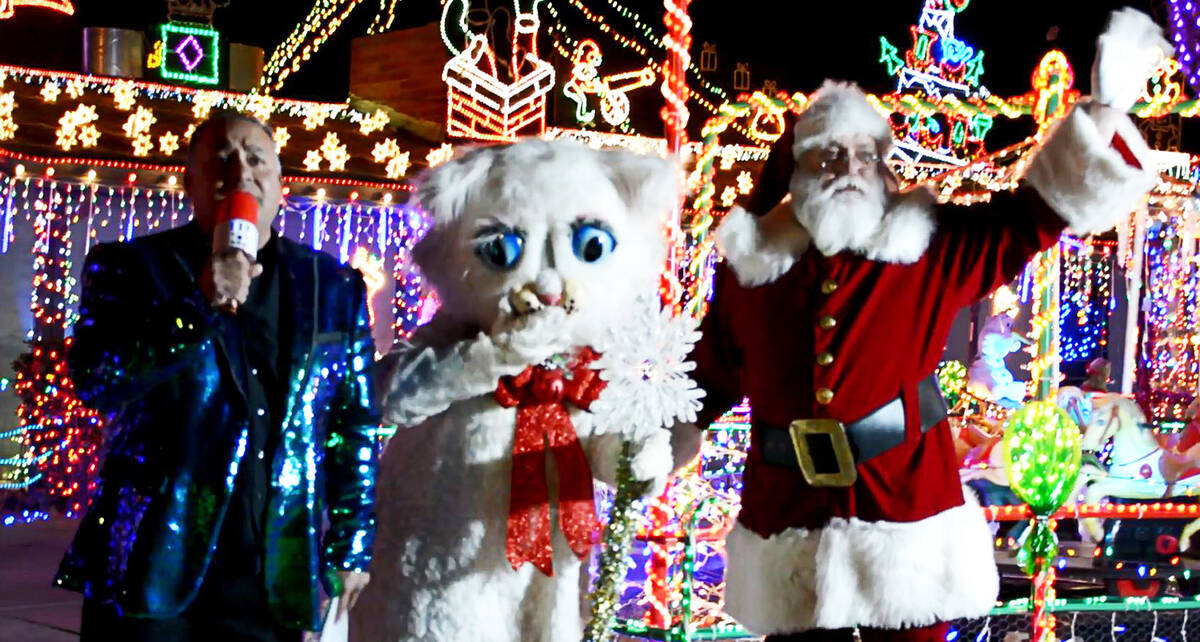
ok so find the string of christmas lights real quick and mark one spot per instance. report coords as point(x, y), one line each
point(306, 39)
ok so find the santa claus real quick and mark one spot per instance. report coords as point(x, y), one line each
point(831, 311)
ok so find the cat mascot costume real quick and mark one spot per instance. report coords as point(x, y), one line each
point(549, 351)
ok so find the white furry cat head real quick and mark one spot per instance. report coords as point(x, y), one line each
point(555, 222)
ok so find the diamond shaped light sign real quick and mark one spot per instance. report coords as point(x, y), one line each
point(190, 53)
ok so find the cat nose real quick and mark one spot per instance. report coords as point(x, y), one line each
point(549, 287)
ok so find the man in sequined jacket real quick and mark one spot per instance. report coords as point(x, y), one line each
point(240, 431)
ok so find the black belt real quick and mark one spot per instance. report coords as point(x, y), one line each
point(827, 451)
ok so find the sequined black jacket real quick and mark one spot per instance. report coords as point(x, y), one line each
point(149, 352)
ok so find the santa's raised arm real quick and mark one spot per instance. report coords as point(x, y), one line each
point(831, 312)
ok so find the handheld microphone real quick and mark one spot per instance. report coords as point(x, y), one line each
point(237, 224)
point(236, 229)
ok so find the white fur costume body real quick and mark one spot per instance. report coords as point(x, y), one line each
point(441, 572)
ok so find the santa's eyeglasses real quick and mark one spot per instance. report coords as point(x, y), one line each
point(837, 157)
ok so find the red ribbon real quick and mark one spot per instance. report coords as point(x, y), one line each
point(540, 396)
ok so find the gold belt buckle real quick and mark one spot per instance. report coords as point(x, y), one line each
point(846, 474)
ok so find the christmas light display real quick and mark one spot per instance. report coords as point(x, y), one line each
point(323, 20)
point(938, 66)
point(677, 42)
point(1167, 378)
point(1086, 299)
point(8, 7)
point(1043, 325)
point(148, 115)
point(483, 102)
point(191, 53)
point(609, 90)
point(1184, 27)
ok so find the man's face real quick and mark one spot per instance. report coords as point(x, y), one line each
point(234, 155)
point(839, 193)
point(854, 155)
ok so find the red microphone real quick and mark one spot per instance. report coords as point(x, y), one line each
point(236, 229)
point(237, 224)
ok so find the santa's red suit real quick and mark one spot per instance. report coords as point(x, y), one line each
point(808, 336)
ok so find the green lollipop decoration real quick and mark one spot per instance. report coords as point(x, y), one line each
point(1042, 449)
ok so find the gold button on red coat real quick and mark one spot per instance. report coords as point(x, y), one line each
point(827, 322)
point(828, 286)
point(824, 396)
point(824, 359)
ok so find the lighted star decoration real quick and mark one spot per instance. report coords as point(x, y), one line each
point(312, 160)
point(203, 102)
point(8, 127)
point(261, 107)
point(397, 166)
point(315, 117)
point(373, 123)
point(75, 88)
point(168, 143)
point(745, 183)
point(728, 196)
point(73, 124)
point(142, 145)
point(50, 91)
point(124, 95)
point(334, 152)
point(281, 137)
point(439, 155)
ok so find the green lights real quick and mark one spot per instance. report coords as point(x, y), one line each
point(191, 53)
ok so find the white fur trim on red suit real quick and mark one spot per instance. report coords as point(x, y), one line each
point(855, 573)
point(761, 249)
point(1083, 177)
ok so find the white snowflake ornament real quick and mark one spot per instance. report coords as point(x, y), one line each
point(645, 364)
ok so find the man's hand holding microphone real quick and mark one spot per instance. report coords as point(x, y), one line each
point(235, 241)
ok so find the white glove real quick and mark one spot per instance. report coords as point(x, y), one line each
point(652, 461)
point(531, 338)
point(1127, 53)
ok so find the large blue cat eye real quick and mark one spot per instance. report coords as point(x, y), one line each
point(499, 247)
point(592, 242)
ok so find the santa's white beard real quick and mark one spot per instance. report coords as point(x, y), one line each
point(839, 220)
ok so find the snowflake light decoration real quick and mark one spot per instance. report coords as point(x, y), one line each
point(281, 137)
point(374, 122)
point(168, 143)
point(745, 183)
point(203, 102)
point(50, 91)
point(334, 152)
point(312, 160)
point(439, 155)
point(8, 127)
point(124, 95)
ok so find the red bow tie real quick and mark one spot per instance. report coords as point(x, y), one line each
point(540, 396)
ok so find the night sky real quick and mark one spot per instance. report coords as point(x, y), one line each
point(795, 43)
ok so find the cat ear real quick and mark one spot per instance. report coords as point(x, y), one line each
point(442, 191)
point(649, 185)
